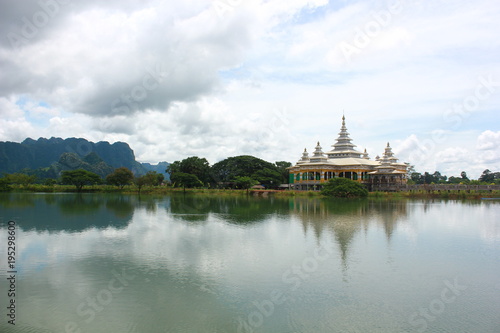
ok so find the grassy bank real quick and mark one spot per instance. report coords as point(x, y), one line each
point(472, 194)
point(37, 188)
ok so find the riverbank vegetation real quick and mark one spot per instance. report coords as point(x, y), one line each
point(235, 176)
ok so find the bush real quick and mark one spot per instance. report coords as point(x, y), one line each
point(344, 188)
point(4, 185)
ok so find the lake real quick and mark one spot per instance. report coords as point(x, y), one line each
point(185, 263)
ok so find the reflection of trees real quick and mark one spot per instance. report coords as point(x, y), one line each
point(121, 206)
point(387, 213)
point(345, 217)
point(190, 208)
point(68, 212)
point(82, 211)
point(235, 210)
point(16, 200)
point(79, 204)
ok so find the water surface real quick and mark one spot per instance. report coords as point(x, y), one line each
point(119, 263)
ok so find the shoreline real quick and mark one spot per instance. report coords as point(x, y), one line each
point(453, 194)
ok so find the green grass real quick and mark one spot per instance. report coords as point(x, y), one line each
point(472, 194)
point(468, 194)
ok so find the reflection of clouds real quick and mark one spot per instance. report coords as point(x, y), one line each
point(160, 240)
point(488, 222)
point(460, 218)
point(211, 271)
point(163, 239)
point(345, 219)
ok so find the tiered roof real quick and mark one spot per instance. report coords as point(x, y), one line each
point(318, 155)
point(388, 163)
point(343, 147)
point(344, 154)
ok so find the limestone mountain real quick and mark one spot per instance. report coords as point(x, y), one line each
point(71, 161)
point(58, 153)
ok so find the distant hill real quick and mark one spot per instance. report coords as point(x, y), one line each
point(56, 154)
point(71, 161)
point(160, 168)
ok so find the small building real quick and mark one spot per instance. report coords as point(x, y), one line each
point(310, 172)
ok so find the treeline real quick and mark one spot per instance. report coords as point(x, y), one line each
point(234, 172)
point(486, 178)
point(79, 178)
point(240, 172)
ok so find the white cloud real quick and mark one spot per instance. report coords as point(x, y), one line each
point(489, 140)
point(175, 79)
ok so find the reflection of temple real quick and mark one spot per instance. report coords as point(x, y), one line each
point(310, 172)
point(345, 219)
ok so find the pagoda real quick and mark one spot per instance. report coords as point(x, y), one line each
point(311, 172)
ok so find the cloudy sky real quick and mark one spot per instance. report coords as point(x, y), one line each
point(219, 78)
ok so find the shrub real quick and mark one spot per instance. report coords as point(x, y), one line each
point(344, 188)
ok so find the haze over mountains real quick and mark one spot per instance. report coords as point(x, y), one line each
point(50, 156)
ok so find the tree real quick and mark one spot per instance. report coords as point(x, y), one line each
point(245, 182)
point(438, 178)
point(417, 177)
point(463, 174)
point(345, 188)
point(196, 166)
point(268, 177)
point(154, 178)
point(173, 168)
point(4, 185)
point(239, 166)
point(282, 169)
point(50, 182)
point(487, 176)
point(140, 182)
point(185, 180)
point(151, 178)
point(80, 178)
point(20, 179)
point(193, 165)
point(120, 177)
point(455, 180)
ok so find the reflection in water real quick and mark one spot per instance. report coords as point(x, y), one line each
point(186, 263)
point(67, 212)
point(237, 210)
point(345, 217)
point(79, 204)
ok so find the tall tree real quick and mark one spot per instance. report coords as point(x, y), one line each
point(120, 177)
point(185, 180)
point(154, 178)
point(173, 168)
point(245, 182)
point(282, 168)
point(268, 177)
point(238, 166)
point(20, 178)
point(80, 178)
point(197, 166)
point(487, 176)
point(193, 165)
point(417, 177)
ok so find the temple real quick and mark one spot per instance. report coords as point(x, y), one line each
point(311, 172)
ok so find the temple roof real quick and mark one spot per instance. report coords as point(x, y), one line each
point(344, 154)
point(343, 147)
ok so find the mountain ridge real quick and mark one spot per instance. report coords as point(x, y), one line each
point(46, 153)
